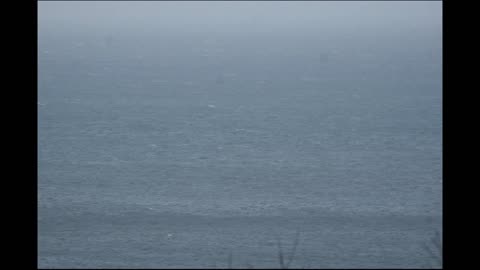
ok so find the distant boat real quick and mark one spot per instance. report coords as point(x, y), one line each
point(108, 41)
point(220, 80)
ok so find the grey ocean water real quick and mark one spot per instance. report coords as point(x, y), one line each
point(174, 149)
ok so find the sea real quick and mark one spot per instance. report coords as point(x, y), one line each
point(239, 150)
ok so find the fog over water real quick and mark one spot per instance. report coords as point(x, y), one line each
point(197, 134)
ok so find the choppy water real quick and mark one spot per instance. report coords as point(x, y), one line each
point(176, 151)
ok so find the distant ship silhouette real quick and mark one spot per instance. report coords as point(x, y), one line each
point(108, 41)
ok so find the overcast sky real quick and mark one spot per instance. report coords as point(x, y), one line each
point(240, 15)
